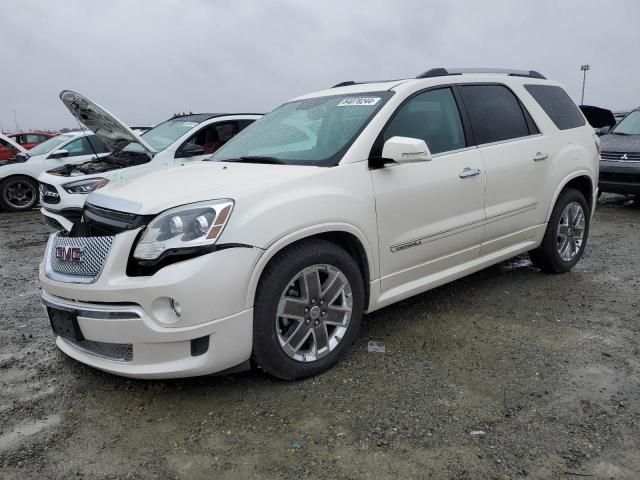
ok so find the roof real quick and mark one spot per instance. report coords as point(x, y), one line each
point(435, 75)
point(201, 117)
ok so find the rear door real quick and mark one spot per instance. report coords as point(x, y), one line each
point(517, 159)
point(430, 214)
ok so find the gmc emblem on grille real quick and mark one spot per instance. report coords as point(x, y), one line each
point(69, 254)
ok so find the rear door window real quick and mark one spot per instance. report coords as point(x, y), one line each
point(558, 105)
point(495, 112)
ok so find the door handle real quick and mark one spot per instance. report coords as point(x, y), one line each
point(469, 172)
point(540, 156)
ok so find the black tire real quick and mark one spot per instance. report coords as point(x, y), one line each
point(268, 354)
point(9, 202)
point(546, 257)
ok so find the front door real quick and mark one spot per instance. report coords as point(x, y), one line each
point(430, 214)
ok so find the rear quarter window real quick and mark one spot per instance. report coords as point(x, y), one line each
point(557, 105)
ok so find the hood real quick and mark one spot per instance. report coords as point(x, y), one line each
point(17, 150)
point(598, 117)
point(113, 132)
point(620, 143)
point(196, 182)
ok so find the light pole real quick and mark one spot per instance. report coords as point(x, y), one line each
point(584, 69)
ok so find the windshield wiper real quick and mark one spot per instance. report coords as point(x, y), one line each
point(256, 159)
point(620, 133)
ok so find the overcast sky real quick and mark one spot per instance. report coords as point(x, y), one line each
point(144, 60)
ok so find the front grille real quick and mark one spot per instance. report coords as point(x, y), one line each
point(621, 156)
point(103, 221)
point(119, 352)
point(76, 259)
point(619, 177)
point(49, 194)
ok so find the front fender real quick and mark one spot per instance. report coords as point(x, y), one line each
point(278, 245)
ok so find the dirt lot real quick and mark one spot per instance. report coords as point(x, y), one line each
point(508, 373)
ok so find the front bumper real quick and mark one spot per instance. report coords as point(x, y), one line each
point(62, 220)
point(619, 177)
point(211, 290)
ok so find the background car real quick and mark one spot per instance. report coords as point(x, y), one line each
point(18, 179)
point(620, 157)
point(601, 119)
point(181, 139)
point(28, 140)
point(9, 149)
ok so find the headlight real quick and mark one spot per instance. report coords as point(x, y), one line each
point(85, 186)
point(193, 225)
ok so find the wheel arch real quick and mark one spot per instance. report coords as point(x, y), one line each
point(346, 236)
point(581, 181)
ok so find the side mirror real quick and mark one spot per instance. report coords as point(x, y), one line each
point(406, 150)
point(190, 150)
point(59, 154)
point(604, 130)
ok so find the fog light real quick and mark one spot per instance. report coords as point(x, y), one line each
point(176, 307)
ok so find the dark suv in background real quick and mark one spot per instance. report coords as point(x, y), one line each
point(620, 164)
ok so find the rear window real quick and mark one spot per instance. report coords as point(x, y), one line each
point(558, 105)
point(495, 113)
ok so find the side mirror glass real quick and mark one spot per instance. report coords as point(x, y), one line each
point(406, 150)
point(604, 130)
point(190, 150)
point(59, 154)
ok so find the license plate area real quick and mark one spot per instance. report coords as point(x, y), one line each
point(65, 324)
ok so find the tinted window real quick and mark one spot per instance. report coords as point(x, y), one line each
point(558, 105)
point(431, 116)
point(495, 113)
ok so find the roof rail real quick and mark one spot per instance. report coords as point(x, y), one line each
point(363, 82)
point(441, 72)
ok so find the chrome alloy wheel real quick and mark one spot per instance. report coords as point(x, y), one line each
point(314, 313)
point(19, 194)
point(571, 231)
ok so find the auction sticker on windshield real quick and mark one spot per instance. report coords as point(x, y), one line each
point(353, 101)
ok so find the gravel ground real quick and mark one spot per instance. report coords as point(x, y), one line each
point(507, 373)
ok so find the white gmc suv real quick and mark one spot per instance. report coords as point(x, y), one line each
point(337, 203)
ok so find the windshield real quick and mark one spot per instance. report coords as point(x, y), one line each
point(47, 146)
point(163, 135)
point(314, 131)
point(630, 125)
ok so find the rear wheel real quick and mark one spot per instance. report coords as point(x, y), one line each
point(308, 309)
point(566, 235)
point(18, 194)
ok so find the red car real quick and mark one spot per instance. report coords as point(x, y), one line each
point(25, 140)
point(31, 139)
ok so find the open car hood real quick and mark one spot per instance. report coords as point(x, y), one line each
point(113, 132)
point(4, 140)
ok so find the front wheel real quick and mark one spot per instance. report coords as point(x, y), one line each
point(308, 309)
point(18, 194)
point(566, 235)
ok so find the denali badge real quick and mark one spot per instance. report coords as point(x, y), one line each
point(69, 254)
